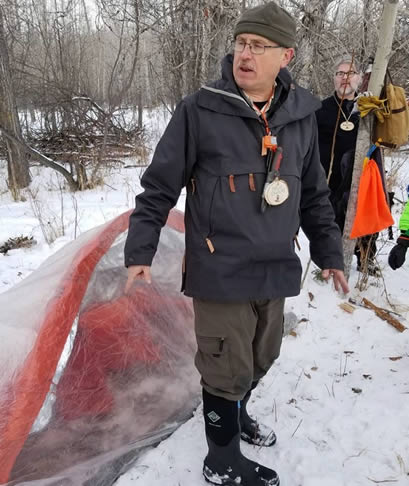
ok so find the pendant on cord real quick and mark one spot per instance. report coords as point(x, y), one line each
point(347, 126)
point(276, 192)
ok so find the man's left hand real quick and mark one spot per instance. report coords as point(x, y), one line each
point(338, 277)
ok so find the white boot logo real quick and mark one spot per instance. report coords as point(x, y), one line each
point(213, 417)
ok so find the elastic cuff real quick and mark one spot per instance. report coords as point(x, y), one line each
point(403, 241)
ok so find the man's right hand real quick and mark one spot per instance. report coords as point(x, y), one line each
point(141, 272)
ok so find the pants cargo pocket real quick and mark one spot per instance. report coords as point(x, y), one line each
point(213, 362)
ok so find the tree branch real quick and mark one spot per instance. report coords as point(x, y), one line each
point(46, 161)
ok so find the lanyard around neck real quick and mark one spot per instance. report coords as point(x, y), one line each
point(264, 110)
point(342, 111)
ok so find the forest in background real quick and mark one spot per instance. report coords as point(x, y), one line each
point(80, 73)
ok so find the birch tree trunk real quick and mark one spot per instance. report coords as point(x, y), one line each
point(17, 164)
point(364, 141)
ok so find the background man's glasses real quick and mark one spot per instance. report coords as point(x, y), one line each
point(255, 48)
point(341, 74)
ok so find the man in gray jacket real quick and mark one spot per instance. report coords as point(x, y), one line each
point(246, 149)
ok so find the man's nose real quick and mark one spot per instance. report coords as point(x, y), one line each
point(246, 52)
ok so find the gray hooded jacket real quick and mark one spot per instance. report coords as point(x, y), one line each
point(212, 146)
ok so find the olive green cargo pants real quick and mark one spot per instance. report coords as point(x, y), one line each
point(237, 343)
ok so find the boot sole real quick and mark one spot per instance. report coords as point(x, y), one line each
point(261, 443)
point(230, 482)
point(217, 480)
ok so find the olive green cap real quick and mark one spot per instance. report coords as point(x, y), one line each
point(269, 21)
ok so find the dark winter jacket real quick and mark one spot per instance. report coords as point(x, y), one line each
point(344, 142)
point(213, 146)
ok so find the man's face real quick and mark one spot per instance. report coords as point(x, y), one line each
point(348, 83)
point(256, 73)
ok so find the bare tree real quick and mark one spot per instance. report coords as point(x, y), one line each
point(313, 17)
point(68, 57)
point(194, 36)
point(17, 165)
point(383, 52)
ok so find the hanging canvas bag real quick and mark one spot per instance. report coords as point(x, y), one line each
point(394, 131)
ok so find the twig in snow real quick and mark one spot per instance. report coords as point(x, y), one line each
point(113, 188)
point(298, 426)
point(383, 481)
point(266, 439)
point(305, 273)
point(352, 457)
point(299, 378)
point(345, 367)
point(401, 463)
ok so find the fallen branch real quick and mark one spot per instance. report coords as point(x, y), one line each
point(360, 304)
point(42, 159)
point(384, 315)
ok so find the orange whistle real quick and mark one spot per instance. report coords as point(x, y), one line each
point(269, 142)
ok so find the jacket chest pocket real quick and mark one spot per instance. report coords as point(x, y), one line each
point(231, 196)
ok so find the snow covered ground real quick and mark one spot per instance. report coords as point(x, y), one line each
point(338, 397)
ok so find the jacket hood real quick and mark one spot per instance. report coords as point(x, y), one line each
point(299, 104)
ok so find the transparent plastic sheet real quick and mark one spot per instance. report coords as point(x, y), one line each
point(117, 372)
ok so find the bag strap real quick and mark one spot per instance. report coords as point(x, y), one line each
point(388, 74)
point(385, 82)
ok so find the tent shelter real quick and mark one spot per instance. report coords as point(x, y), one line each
point(89, 376)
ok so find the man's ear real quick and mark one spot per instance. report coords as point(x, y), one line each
point(287, 56)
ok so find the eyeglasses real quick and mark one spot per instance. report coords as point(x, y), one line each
point(341, 74)
point(255, 48)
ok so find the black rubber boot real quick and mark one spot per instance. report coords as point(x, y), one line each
point(251, 431)
point(224, 463)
